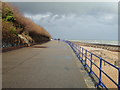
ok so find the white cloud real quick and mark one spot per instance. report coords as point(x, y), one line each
point(38, 17)
point(73, 18)
point(67, 26)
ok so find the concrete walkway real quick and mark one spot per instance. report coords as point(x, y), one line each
point(50, 65)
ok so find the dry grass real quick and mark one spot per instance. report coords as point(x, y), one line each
point(14, 23)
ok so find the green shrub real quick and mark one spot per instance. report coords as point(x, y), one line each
point(13, 31)
point(10, 18)
point(7, 14)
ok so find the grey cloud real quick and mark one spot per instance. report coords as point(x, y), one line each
point(75, 20)
point(66, 7)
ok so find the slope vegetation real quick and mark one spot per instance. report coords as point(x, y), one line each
point(18, 30)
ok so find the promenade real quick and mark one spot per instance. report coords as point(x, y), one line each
point(49, 65)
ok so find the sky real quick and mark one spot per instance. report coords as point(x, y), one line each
point(74, 20)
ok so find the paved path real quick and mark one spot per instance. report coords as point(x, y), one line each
point(50, 65)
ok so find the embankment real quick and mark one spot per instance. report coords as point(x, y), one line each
point(19, 31)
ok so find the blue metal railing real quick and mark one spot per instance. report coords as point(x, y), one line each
point(82, 55)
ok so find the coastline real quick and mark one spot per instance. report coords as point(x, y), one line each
point(109, 47)
point(107, 52)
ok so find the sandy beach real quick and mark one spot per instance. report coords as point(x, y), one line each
point(110, 54)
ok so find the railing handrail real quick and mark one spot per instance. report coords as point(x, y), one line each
point(102, 59)
point(75, 49)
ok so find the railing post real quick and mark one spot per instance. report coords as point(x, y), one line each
point(100, 74)
point(100, 70)
point(119, 79)
point(85, 58)
point(73, 47)
point(90, 63)
point(78, 53)
point(82, 54)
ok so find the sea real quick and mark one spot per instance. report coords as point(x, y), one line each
point(108, 42)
